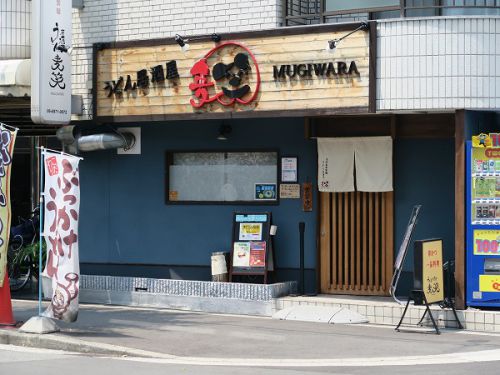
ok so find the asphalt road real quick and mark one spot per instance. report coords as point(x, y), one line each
point(189, 334)
point(179, 342)
point(26, 361)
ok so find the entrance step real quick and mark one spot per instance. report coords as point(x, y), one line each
point(320, 314)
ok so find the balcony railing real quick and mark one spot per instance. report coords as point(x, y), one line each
point(306, 12)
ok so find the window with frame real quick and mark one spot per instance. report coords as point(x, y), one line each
point(307, 12)
point(222, 177)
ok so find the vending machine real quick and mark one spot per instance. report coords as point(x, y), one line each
point(483, 220)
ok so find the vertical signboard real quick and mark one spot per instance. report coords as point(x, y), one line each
point(7, 140)
point(51, 61)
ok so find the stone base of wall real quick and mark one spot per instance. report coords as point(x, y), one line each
point(206, 296)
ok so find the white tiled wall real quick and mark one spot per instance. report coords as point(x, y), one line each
point(15, 29)
point(120, 20)
point(438, 63)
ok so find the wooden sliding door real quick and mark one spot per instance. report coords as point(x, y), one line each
point(356, 243)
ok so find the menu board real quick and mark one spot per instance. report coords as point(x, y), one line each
point(428, 269)
point(252, 246)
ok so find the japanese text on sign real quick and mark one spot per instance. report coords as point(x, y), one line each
point(432, 269)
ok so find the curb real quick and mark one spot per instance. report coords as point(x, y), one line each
point(67, 344)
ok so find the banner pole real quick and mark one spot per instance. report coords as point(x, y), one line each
point(59, 152)
point(40, 324)
point(40, 247)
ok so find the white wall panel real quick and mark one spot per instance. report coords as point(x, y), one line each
point(438, 63)
point(15, 29)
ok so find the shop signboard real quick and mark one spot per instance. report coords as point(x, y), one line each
point(255, 72)
point(51, 61)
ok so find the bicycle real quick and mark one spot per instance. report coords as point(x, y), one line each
point(21, 261)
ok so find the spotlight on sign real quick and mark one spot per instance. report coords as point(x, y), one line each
point(216, 38)
point(224, 131)
point(332, 44)
point(182, 43)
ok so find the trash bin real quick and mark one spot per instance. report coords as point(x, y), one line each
point(219, 266)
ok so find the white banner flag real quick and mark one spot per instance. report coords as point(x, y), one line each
point(61, 215)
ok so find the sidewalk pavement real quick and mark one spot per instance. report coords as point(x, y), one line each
point(160, 333)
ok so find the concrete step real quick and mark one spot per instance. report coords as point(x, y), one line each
point(320, 314)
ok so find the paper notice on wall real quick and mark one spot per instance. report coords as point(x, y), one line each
point(290, 191)
point(250, 232)
point(258, 254)
point(241, 254)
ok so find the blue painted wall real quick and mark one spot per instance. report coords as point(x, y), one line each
point(424, 173)
point(124, 218)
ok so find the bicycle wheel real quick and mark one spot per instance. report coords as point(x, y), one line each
point(19, 269)
point(16, 242)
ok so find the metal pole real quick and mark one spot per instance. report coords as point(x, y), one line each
point(40, 249)
point(302, 228)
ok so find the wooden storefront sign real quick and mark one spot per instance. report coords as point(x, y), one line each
point(248, 74)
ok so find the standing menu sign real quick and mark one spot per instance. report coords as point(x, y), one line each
point(251, 252)
point(428, 275)
point(428, 287)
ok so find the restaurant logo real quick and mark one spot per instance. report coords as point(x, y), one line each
point(52, 168)
point(236, 82)
point(213, 80)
